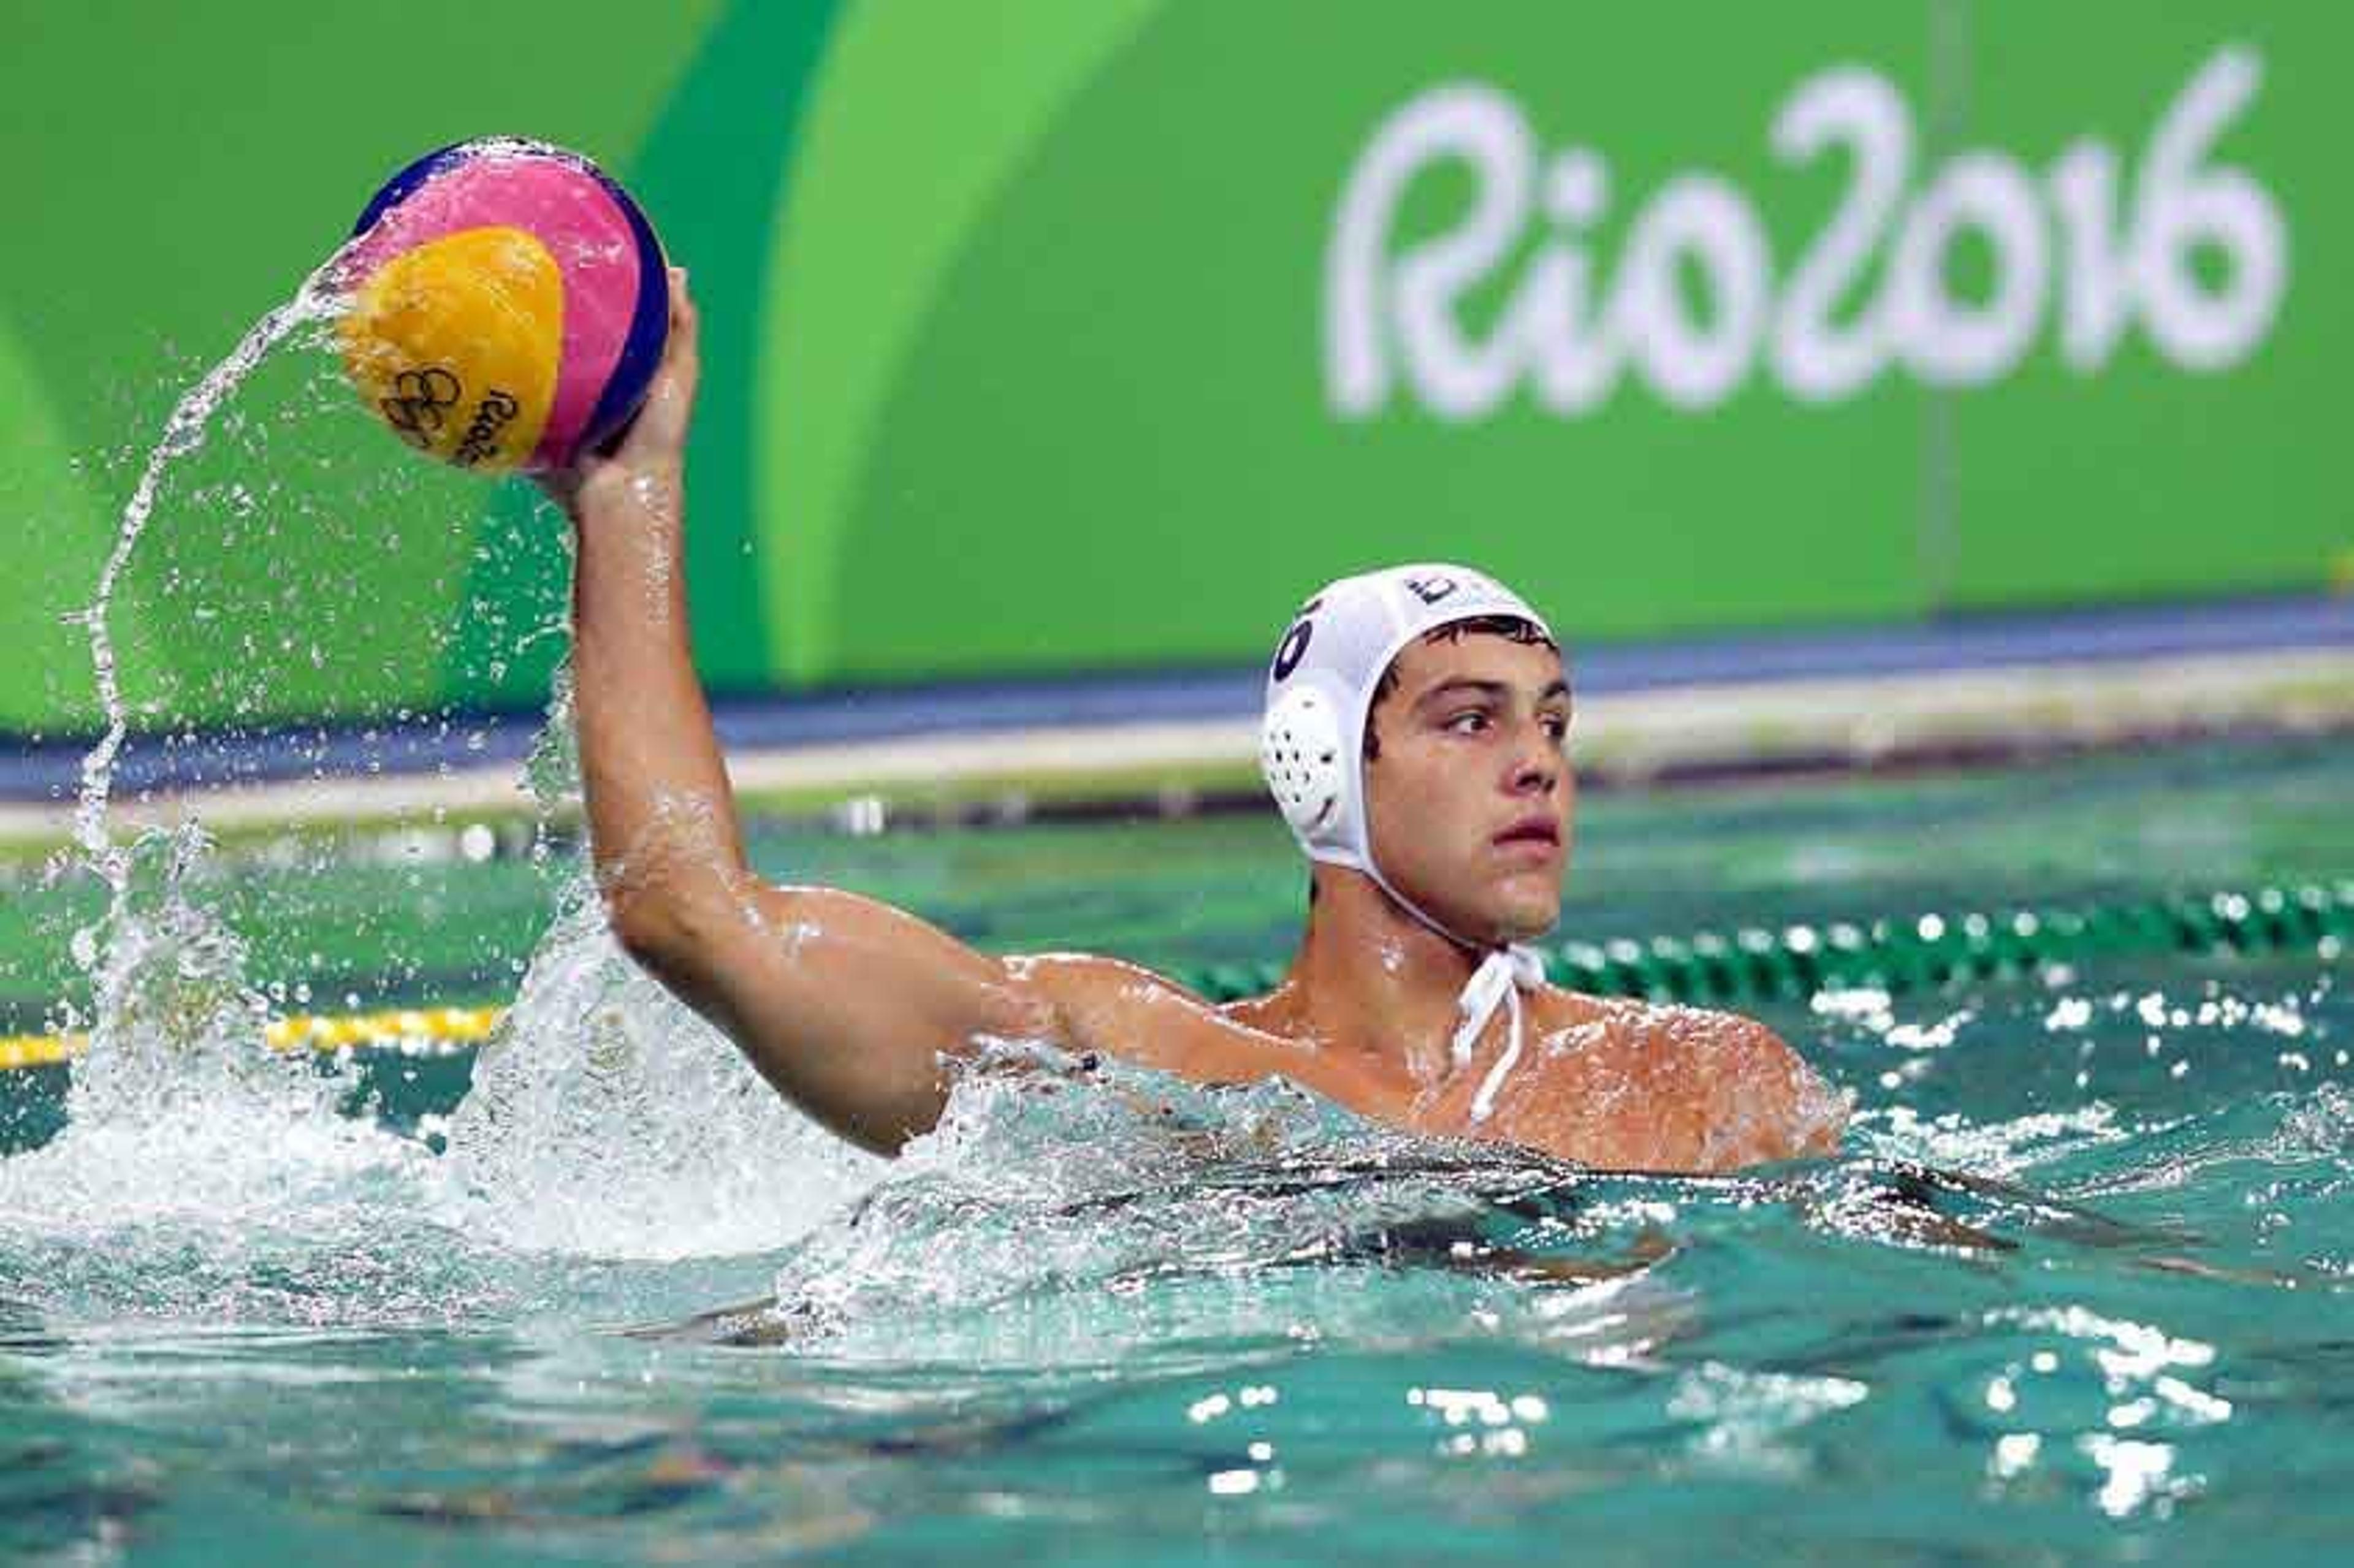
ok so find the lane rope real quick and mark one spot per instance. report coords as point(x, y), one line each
point(425, 1029)
point(1745, 964)
point(1755, 963)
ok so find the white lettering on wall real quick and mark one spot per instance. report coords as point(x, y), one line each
point(2064, 254)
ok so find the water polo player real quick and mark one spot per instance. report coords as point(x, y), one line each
point(1414, 740)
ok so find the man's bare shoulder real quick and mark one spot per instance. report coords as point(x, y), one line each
point(1127, 1011)
point(1696, 1036)
point(1736, 1088)
point(1091, 974)
point(1099, 984)
point(1110, 1004)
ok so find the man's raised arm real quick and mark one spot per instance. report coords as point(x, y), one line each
point(844, 1004)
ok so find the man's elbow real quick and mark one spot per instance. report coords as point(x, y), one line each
point(666, 911)
point(661, 934)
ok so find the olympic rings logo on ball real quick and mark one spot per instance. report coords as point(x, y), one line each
point(419, 399)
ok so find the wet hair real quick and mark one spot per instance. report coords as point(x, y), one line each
point(1511, 627)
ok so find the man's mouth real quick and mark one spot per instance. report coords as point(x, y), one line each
point(1531, 830)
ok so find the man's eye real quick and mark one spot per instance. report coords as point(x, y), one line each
point(1471, 721)
point(1558, 726)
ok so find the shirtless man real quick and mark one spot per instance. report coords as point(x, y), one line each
point(1415, 742)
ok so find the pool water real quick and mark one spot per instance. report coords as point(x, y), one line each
point(2076, 1288)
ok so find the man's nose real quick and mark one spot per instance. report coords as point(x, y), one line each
point(1537, 765)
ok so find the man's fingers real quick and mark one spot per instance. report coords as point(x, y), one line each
point(659, 436)
point(683, 353)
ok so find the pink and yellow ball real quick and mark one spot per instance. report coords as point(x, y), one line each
point(507, 306)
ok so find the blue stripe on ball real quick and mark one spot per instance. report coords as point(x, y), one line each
point(398, 188)
point(649, 329)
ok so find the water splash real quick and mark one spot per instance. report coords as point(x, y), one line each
point(200, 1171)
point(606, 1119)
point(1069, 1213)
point(317, 300)
point(177, 1022)
point(178, 1090)
point(201, 1174)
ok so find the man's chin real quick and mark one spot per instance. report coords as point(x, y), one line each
point(1528, 925)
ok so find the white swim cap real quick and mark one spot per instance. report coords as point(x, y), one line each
point(1319, 695)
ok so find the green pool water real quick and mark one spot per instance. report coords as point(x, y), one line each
point(2077, 1289)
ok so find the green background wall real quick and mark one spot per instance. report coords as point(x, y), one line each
point(1026, 324)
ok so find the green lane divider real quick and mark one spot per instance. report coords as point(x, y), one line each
point(1754, 964)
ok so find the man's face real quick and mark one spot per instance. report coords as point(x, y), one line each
point(1469, 797)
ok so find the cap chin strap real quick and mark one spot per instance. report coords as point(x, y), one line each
point(1502, 976)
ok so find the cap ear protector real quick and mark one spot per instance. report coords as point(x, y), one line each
point(1301, 751)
